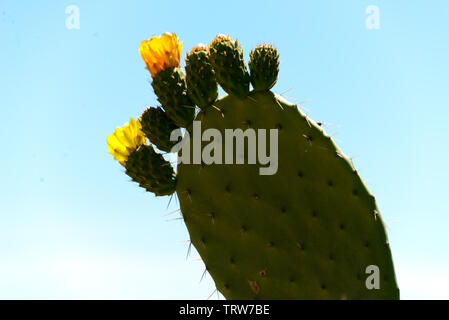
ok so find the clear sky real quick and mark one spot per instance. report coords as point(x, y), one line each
point(71, 223)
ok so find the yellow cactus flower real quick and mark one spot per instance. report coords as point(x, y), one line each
point(161, 52)
point(125, 140)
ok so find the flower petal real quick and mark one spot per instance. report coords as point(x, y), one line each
point(161, 52)
point(123, 141)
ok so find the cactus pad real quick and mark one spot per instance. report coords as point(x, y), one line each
point(153, 173)
point(307, 232)
point(201, 85)
point(158, 127)
point(226, 57)
point(264, 67)
point(171, 90)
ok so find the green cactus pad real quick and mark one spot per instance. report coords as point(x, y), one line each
point(264, 67)
point(201, 85)
point(148, 168)
point(157, 127)
point(230, 70)
point(307, 232)
point(171, 90)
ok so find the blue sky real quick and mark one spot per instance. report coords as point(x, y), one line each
point(73, 226)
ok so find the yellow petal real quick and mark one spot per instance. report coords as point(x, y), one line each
point(123, 141)
point(161, 52)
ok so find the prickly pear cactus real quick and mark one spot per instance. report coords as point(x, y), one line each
point(306, 228)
